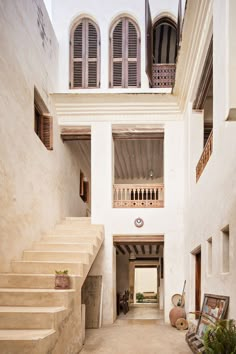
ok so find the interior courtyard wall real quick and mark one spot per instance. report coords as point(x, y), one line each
point(64, 13)
point(211, 205)
point(38, 186)
point(145, 280)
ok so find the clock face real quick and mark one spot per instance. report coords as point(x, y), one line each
point(138, 222)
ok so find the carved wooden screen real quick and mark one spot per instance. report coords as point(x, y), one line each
point(125, 54)
point(85, 55)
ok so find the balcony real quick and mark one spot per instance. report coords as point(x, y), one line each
point(205, 156)
point(163, 75)
point(138, 196)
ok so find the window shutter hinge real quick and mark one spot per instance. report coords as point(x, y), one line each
point(110, 84)
point(70, 84)
point(70, 42)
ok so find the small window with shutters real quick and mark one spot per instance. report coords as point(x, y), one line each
point(125, 54)
point(85, 55)
point(43, 121)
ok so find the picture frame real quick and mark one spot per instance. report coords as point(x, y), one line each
point(214, 307)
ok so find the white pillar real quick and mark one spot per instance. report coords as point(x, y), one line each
point(101, 207)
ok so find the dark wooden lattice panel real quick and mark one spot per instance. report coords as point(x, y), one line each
point(163, 76)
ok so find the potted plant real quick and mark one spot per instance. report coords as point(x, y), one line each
point(139, 297)
point(220, 338)
point(62, 279)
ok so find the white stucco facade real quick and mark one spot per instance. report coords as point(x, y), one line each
point(33, 177)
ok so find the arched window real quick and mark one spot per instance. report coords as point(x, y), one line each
point(125, 54)
point(85, 55)
point(164, 41)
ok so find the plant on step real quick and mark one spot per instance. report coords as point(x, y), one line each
point(62, 279)
point(62, 271)
point(220, 338)
point(139, 297)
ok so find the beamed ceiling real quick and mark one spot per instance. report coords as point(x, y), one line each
point(139, 250)
point(137, 156)
point(138, 159)
point(139, 246)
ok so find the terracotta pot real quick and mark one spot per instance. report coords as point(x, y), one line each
point(62, 281)
point(176, 313)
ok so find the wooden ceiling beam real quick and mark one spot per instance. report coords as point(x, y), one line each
point(128, 249)
point(135, 249)
point(120, 249)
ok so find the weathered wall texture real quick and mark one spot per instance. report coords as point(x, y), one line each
point(37, 186)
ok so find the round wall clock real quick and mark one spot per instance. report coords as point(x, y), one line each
point(138, 222)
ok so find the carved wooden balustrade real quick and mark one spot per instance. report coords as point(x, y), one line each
point(163, 75)
point(138, 196)
point(204, 156)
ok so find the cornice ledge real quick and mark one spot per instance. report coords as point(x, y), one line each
point(197, 34)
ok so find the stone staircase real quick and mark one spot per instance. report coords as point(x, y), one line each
point(34, 317)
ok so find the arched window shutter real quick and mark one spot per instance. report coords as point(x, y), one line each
point(78, 56)
point(133, 44)
point(125, 55)
point(93, 61)
point(85, 55)
point(117, 55)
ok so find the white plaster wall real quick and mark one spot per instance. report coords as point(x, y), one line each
point(211, 203)
point(145, 280)
point(37, 186)
point(167, 221)
point(103, 13)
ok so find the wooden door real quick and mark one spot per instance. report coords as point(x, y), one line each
point(198, 282)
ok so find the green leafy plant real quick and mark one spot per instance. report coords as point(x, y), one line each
point(139, 297)
point(60, 272)
point(220, 338)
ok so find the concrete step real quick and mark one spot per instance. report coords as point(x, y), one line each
point(35, 297)
point(80, 227)
point(26, 341)
point(62, 256)
point(47, 267)
point(77, 219)
point(75, 232)
point(22, 317)
point(33, 281)
point(83, 247)
point(70, 238)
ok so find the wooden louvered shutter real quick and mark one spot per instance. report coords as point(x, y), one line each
point(179, 25)
point(78, 56)
point(93, 42)
point(46, 133)
point(132, 66)
point(149, 42)
point(85, 55)
point(117, 55)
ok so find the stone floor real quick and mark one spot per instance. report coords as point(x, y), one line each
point(143, 312)
point(135, 337)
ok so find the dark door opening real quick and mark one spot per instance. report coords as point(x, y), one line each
point(198, 282)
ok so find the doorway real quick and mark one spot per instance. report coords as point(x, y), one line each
point(139, 277)
point(198, 281)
